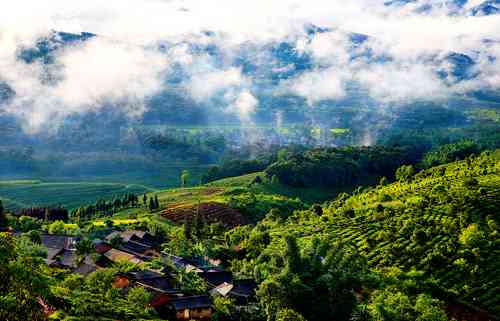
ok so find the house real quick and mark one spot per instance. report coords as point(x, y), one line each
point(115, 256)
point(58, 241)
point(157, 284)
point(137, 236)
point(62, 258)
point(243, 291)
point(86, 267)
point(216, 277)
point(101, 247)
point(138, 249)
point(182, 263)
point(192, 308)
point(154, 281)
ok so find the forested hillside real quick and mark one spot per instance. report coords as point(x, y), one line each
point(434, 233)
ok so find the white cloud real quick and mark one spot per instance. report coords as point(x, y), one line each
point(205, 85)
point(88, 76)
point(402, 83)
point(321, 85)
point(116, 68)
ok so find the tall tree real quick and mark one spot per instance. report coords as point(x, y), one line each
point(185, 175)
point(3, 218)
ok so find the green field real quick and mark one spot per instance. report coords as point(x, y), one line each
point(25, 193)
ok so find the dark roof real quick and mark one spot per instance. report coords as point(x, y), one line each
point(142, 237)
point(52, 253)
point(245, 288)
point(68, 258)
point(144, 275)
point(102, 247)
point(161, 284)
point(87, 267)
point(216, 277)
point(152, 280)
point(58, 241)
point(135, 248)
point(192, 302)
point(181, 263)
point(62, 258)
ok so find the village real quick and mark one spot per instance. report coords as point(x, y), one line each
point(137, 247)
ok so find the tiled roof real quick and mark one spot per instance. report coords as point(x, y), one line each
point(135, 248)
point(245, 288)
point(215, 278)
point(58, 241)
point(242, 288)
point(192, 302)
point(88, 266)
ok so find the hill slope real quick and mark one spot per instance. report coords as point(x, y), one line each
point(442, 225)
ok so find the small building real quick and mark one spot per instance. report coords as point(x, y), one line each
point(116, 256)
point(62, 258)
point(101, 247)
point(216, 277)
point(86, 267)
point(138, 249)
point(137, 236)
point(192, 308)
point(183, 263)
point(58, 241)
point(243, 291)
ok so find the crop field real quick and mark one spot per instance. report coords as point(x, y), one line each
point(18, 194)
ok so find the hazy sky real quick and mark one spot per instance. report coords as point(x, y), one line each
point(93, 73)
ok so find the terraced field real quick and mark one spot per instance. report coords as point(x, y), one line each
point(19, 194)
point(211, 212)
point(425, 225)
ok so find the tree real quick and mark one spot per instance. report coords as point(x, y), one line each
point(145, 200)
point(289, 315)
point(109, 223)
point(151, 204)
point(185, 175)
point(393, 305)
point(57, 227)
point(22, 282)
point(272, 296)
point(292, 255)
point(84, 247)
point(404, 173)
point(3, 218)
point(471, 235)
point(157, 202)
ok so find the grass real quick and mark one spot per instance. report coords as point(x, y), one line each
point(17, 194)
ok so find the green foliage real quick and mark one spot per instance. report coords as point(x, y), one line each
point(234, 168)
point(471, 235)
point(448, 153)
point(224, 308)
point(190, 282)
point(289, 315)
point(57, 227)
point(3, 217)
point(22, 282)
point(337, 167)
point(404, 173)
point(85, 246)
point(393, 305)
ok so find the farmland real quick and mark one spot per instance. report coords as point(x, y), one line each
point(25, 193)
